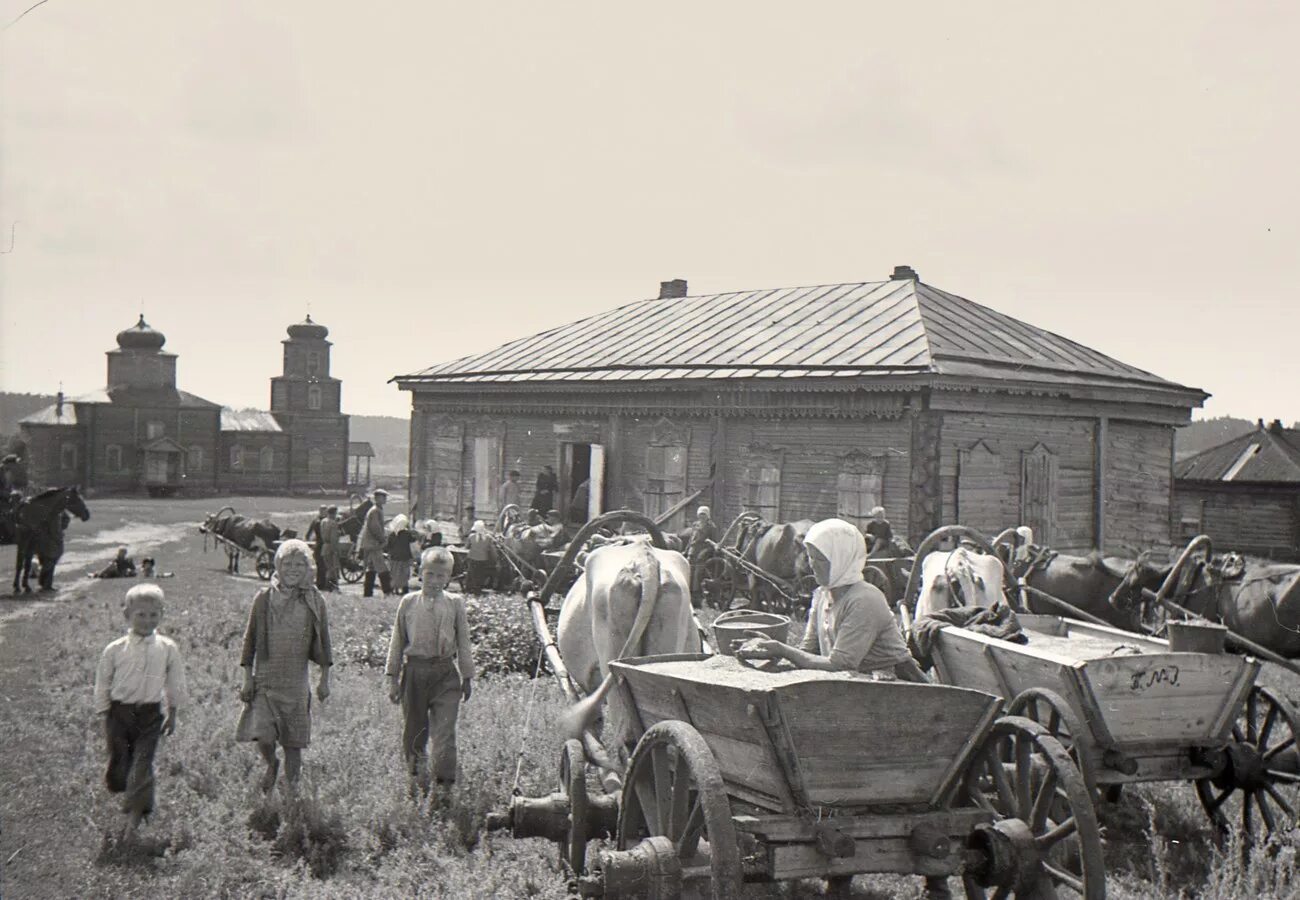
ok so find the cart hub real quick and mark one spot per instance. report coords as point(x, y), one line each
point(1004, 853)
point(1245, 768)
point(651, 870)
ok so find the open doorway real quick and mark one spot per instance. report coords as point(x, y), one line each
point(582, 481)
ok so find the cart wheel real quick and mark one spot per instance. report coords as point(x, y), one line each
point(1044, 840)
point(573, 785)
point(350, 569)
point(674, 789)
point(265, 564)
point(717, 582)
point(1048, 709)
point(1259, 774)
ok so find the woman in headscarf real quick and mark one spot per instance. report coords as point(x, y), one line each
point(398, 548)
point(850, 626)
point(287, 628)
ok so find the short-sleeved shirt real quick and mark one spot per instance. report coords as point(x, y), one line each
point(878, 533)
point(857, 631)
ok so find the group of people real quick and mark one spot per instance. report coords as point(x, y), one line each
point(140, 682)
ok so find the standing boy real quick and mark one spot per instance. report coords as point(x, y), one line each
point(509, 493)
point(430, 669)
point(138, 675)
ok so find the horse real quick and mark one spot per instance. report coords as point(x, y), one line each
point(39, 533)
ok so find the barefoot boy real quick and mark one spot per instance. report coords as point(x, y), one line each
point(137, 675)
point(432, 633)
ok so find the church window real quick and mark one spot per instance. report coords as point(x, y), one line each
point(313, 362)
point(113, 458)
point(236, 458)
point(313, 397)
point(153, 429)
point(67, 456)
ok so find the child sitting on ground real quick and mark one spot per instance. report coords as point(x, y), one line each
point(430, 668)
point(121, 566)
point(138, 674)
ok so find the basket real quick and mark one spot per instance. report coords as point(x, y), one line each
point(1196, 637)
point(734, 627)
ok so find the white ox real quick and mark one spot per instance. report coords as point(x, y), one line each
point(632, 600)
point(959, 577)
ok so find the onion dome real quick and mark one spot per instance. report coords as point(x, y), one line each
point(141, 337)
point(308, 329)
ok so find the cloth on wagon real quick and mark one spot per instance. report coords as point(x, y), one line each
point(855, 630)
point(430, 648)
point(999, 621)
point(287, 628)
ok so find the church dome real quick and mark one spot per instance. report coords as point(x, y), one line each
point(141, 337)
point(308, 329)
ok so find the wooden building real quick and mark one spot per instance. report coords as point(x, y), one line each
point(141, 432)
point(1244, 494)
point(807, 403)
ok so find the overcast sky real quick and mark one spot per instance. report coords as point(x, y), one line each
point(433, 179)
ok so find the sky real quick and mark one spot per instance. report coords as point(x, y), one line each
point(431, 179)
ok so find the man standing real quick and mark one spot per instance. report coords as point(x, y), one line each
point(547, 486)
point(371, 547)
point(312, 537)
point(697, 551)
point(509, 494)
point(329, 547)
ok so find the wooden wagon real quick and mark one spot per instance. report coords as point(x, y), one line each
point(746, 776)
point(1129, 709)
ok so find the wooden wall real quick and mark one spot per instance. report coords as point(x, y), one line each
point(1261, 520)
point(992, 449)
point(1139, 485)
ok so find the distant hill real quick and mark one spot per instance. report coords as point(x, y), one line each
point(1192, 439)
point(14, 407)
point(389, 436)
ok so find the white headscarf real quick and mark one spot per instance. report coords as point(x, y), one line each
point(399, 522)
point(842, 544)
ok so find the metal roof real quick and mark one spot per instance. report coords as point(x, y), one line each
point(898, 327)
point(50, 415)
point(360, 448)
point(247, 420)
point(1276, 458)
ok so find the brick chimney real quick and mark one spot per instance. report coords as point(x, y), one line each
point(671, 290)
point(58, 404)
point(904, 273)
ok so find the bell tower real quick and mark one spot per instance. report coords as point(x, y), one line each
point(307, 402)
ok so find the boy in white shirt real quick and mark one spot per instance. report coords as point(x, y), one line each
point(138, 675)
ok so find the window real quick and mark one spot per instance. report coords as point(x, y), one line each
point(266, 459)
point(1038, 492)
point(236, 458)
point(153, 429)
point(487, 475)
point(313, 397)
point(313, 362)
point(113, 458)
point(856, 495)
point(67, 456)
point(194, 460)
point(315, 461)
point(763, 491)
point(665, 477)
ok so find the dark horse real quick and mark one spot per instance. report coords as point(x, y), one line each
point(39, 533)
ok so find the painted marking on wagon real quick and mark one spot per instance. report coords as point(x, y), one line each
point(1146, 678)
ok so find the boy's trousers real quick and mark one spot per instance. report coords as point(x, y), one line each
point(133, 730)
point(430, 704)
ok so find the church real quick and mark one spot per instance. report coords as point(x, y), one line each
point(142, 433)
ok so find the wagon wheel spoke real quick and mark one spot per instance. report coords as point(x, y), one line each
point(1056, 835)
point(1266, 729)
point(1060, 876)
point(1043, 802)
point(663, 781)
point(1283, 777)
point(1214, 805)
point(1246, 828)
point(1270, 822)
point(1277, 797)
point(1252, 710)
point(1238, 735)
point(1006, 794)
point(689, 843)
point(680, 801)
point(1288, 744)
point(1024, 768)
point(646, 800)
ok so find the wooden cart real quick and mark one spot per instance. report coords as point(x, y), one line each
point(1131, 710)
point(740, 775)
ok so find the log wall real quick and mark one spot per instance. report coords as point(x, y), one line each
point(1261, 520)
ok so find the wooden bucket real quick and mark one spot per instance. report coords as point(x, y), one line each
point(733, 628)
point(1196, 637)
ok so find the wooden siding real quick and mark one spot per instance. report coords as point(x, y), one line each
point(815, 454)
point(1006, 439)
point(1255, 519)
point(1139, 482)
point(636, 438)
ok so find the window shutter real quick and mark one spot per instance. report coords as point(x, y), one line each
point(1038, 492)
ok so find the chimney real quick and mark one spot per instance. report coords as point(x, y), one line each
point(1259, 423)
point(904, 273)
point(671, 290)
point(58, 405)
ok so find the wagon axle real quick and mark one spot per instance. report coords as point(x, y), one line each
point(550, 817)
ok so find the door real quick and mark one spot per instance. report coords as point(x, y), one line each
point(487, 477)
point(155, 468)
point(596, 500)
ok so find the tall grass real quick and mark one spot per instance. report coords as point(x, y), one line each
point(354, 832)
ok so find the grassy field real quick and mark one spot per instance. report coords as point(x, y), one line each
point(357, 834)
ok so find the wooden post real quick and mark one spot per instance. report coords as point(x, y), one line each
point(614, 463)
point(1099, 483)
point(718, 465)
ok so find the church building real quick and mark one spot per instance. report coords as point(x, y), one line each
point(140, 432)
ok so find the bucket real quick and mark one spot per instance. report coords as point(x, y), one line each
point(1196, 637)
point(732, 628)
